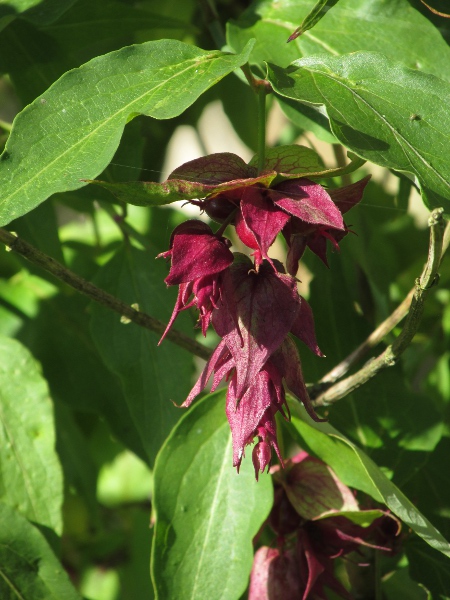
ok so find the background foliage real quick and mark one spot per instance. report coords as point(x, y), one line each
point(90, 442)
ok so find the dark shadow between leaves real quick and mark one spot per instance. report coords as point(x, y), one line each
point(358, 139)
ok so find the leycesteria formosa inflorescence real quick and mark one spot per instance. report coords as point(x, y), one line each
point(252, 300)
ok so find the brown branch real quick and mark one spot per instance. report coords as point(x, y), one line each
point(98, 295)
point(439, 238)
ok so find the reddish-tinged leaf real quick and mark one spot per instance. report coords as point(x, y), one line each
point(257, 313)
point(346, 197)
point(287, 361)
point(196, 252)
point(245, 415)
point(308, 201)
point(314, 490)
point(217, 356)
point(274, 576)
point(297, 246)
point(214, 169)
point(303, 327)
point(262, 217)
point(142, 193)
point(290, 160)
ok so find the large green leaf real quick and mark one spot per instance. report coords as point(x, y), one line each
point(28, 568)
point(35, 57)
point(30, 473)
point(388, 114)
point(146, 371)
point(351, 25)
point(357, 470)
point(206, 514)
point(72, 131)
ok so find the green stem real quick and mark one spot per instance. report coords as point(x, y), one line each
point(98, 295)
point(227, 221)
point(262, 93)
point(5, 125)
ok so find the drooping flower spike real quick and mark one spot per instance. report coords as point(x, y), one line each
point(254, 307)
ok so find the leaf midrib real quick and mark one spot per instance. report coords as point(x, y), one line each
point(394, 131)
point(93, 132)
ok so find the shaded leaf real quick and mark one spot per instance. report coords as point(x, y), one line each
point(41, 12)
point(371, 103)
point(205, 511)
point(146, 371)
point(75, 127)
point(28, 568)
point(428, 567)
point(30, 473)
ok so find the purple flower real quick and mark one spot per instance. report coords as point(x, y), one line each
point(300, 234)
point(255, 314)
point(198, 256)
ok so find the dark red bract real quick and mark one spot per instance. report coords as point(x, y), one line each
point(253, 305)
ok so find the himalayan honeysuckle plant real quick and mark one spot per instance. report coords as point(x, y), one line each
point(224, 300)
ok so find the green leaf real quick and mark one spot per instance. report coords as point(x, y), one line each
point(30, 473)
point(206, 514)
point(75, 127)
point(149, 193)
point(291, 162)
point(318, 11)
point(429, 568)
point(41, 12)
point(28, 568)
point(352, 26)
point(79, 469)
point(146, 371)
point(357, 470)
point(384, 112)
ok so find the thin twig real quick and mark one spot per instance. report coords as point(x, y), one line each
point(391, 354)
point(98, 295)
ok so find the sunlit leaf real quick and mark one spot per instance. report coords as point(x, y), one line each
point(28, 568)
point(74, 128)
point(30, 473)
point(385, 113)
point(206, 514)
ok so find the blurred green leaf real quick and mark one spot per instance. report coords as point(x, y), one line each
point(126, 479)
point(429, 567)
point(41, 12)
point(206, 514)
point(146, 371)
point(351, 26)
point(79, 470)
point(383, 112)
point(75, 127)
point(399, 586)
point(29, 570)
point(357, 470)
point(30, 473)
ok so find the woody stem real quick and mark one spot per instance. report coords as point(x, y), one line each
point(59, 271)
point(390, 356)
